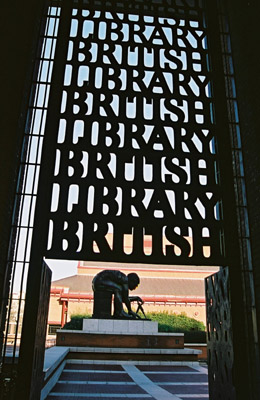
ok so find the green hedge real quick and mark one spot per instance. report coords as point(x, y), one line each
point(195, 337)
point(194, 331)
point(171, 322)
point(76, 321)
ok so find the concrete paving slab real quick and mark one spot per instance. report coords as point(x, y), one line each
point(112, 380)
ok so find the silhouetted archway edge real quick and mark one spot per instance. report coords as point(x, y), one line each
point(235, 269)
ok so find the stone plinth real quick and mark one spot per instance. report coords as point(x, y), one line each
point(119, 326)
point(115, 339)
point(140, 340)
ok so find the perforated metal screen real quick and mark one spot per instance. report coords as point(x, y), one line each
point(130, 143)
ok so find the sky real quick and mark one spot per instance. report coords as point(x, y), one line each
point(62, 268)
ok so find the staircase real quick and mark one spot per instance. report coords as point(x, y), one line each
point(139, 380)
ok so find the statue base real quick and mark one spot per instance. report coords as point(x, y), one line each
point(113, 339)
point(119, 326)
point(120, 333)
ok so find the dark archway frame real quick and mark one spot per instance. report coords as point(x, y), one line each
point(228, 178)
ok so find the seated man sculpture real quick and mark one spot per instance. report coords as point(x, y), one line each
point(119, 284)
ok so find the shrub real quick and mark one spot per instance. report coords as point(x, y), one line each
point(171, 322)
point(195, 337)
point(76, 321)
point(194, 331)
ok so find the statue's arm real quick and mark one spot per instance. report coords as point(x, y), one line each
point(136, 298)
point(127, 301)
point(125, 298)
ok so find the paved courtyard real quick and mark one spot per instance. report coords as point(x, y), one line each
point(138, 381)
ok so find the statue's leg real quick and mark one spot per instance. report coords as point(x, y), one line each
point(110, 286)
point(118, 305)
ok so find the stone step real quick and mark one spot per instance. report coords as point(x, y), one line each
point(126, 353)
point(157, 340)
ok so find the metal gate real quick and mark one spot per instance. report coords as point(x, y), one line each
point(219, 336)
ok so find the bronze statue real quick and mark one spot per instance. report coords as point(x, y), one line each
point(119, 284)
